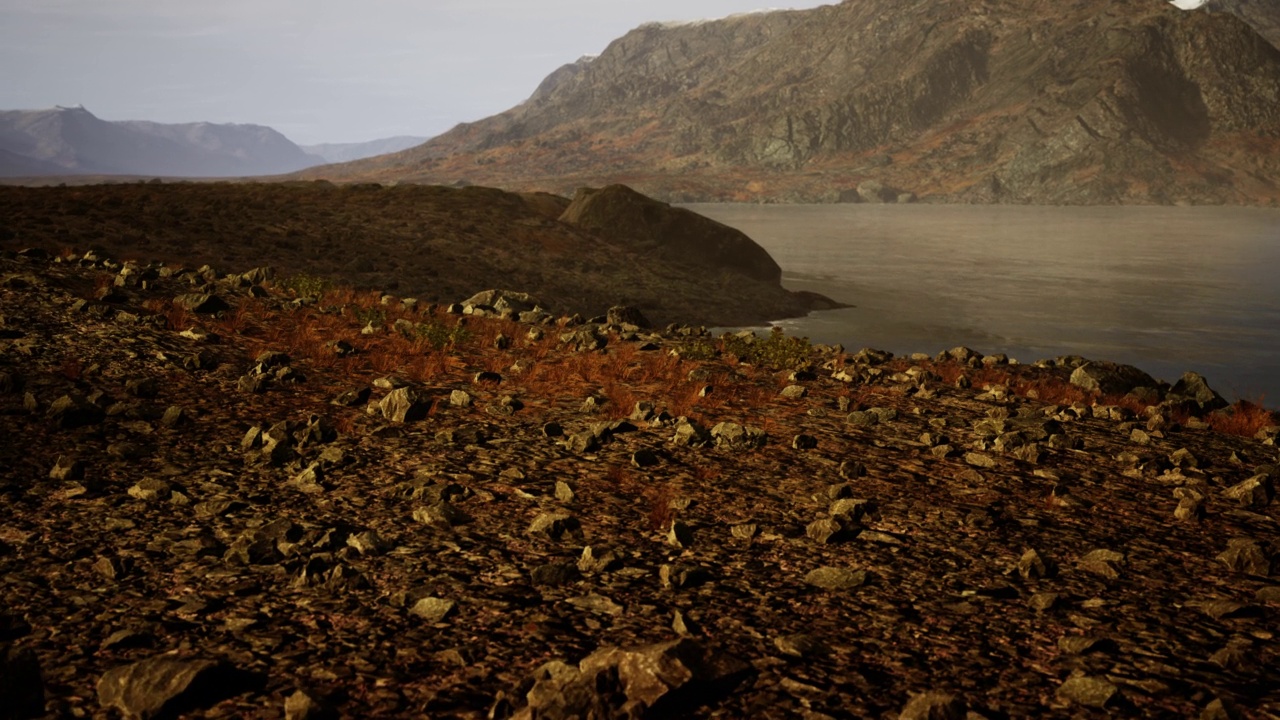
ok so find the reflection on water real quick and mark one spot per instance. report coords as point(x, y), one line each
point(1166, 289)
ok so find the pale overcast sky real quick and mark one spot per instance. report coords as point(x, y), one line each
point(316, 70)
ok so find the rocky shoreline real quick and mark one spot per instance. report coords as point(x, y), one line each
point(232, 495)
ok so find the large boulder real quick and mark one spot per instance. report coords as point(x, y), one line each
point(1111, 378)
point(625, 217)
point(1193, 387)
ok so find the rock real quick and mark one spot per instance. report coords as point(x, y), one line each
point(460, 398)
point(804, 442)
point(21, 683)
point(174, 416)
point(644, 458)
point(67, 468)
point(432, 609)
point(1220, 709)
point(690, 434)
point(554, 574)
point(1088, 691)
point(794, 392)
point(1194, 388)
point(201, 303)
point(624, 316)
point(737, 437)
point(73, 411)
point(831, 530)
point(1110, 378)
point(934, 706)
point(1102, 562)
point(834, 578)
point(355, 397)
point(404, 405)
point(680, 535)
point(149, 489)
point(800, 645)
point(1032, 567)
point(553, 526)
point(1257, 492)
point(302, 705)
point(874, 191)
point(660, 680)
point(1244, 555)
point(503, 300)
point(167, 686)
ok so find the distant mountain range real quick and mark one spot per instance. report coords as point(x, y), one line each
point(1017, 101)
point(345, 152)
point(73, 141)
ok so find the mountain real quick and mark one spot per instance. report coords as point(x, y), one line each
point(72, 141)
point(1021, 101)
point(345, 152)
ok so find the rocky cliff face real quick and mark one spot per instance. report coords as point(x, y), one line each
point(72, 141)
point(994, 101)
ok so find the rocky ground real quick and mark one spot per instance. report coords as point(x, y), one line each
point(223, 500)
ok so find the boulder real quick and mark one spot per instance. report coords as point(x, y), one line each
point(624, 315)
point(1194, 388)
point(404, 405)
point(625, 217)
point(167, 686)
point(1110, 378)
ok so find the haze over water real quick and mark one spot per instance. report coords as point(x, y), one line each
point(1168, 289)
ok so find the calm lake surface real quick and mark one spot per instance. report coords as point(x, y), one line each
point(1166, 289)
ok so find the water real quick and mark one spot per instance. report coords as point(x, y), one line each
point(1166, 289)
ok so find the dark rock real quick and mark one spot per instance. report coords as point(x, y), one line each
point(73, 411)
point(625, 316)
point(356, 397)
point(804, 442)
point(202, 303)
point(167, 686)
point(554, 574)
point(21, 683)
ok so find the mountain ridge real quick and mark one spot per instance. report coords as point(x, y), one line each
point(995, 101)
point(73, 141)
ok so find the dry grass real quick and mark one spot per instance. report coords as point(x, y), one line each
point(1244, 418)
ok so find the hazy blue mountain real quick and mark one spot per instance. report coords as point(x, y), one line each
point(73, 141)
point(345, 152)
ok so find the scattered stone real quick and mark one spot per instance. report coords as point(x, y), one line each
point(202, 303)
point(680, 535)
point(460, 398)
point(67, 468)
point(1257, 491)
point(1088, 691)
point(644, 458)
point(1102, 562)
point(794, 392)
point(432, 609)
point(834, 578)
point(804, 442)
point(553, 526)
point(73, 411)
point(825, 531)
point(737, 437)
point(554, 574)
point(149, 489)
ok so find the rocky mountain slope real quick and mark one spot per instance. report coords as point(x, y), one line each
point(1263, 16)
point(1086, 101)
point(72, 141)
point(345, 152)
point(436, 243)
point(226, 498)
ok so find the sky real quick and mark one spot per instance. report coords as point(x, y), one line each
point(316, 70)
